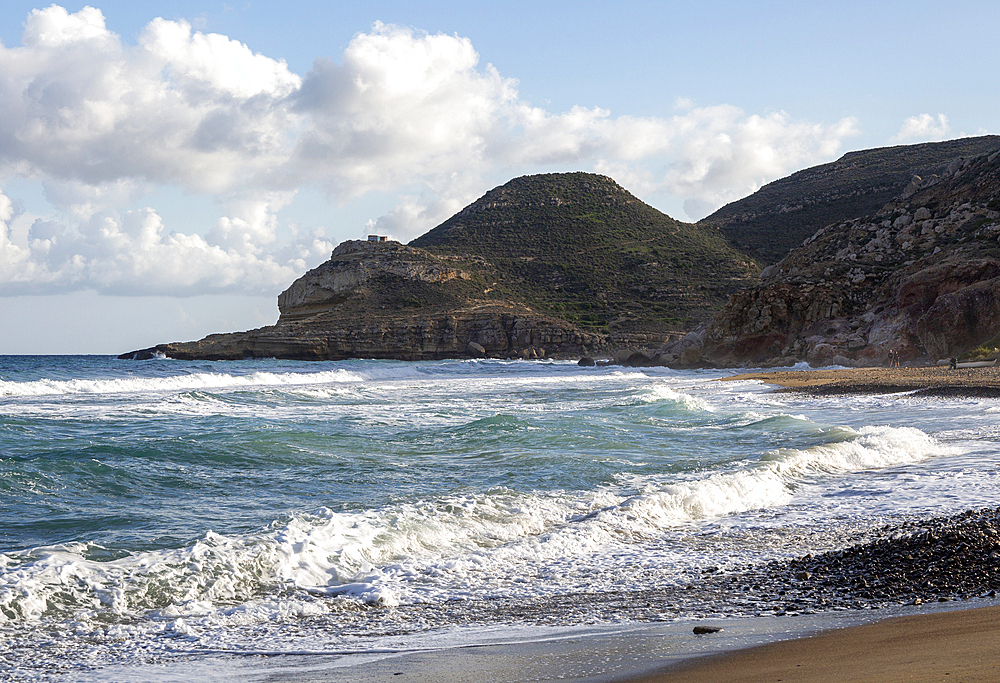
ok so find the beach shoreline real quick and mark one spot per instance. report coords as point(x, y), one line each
point(916, 601)
point(939, 381)
point(611, 653)
point(960, 645)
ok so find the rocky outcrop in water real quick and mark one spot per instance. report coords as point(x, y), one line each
point(920, 277)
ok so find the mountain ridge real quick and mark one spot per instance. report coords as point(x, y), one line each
point(781, 215)
point(549, 265)
point(919, 277)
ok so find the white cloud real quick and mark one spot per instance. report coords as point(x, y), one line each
point(414, 215)
point(400, 104)
point(707, 155)
point(133, 254)
point(922, 128)
point(200, 111)
point(101, 124)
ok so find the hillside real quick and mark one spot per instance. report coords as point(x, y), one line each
point(781, 215)
point(387, 300)
point(571, 264)
point(580, 247)
point(563, 265)
point(920, 276)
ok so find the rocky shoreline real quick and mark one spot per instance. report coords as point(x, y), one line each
point(941, 559)
point(934, 560)
point(939, 381)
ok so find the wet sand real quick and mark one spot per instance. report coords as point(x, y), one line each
point(929, 381)
point(959, 647)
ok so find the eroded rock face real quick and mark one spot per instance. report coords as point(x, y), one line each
point(920, 277)
point(354, 263)
point(498, 334)
point(388, 300)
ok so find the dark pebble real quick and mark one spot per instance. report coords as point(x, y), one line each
point(701, 630)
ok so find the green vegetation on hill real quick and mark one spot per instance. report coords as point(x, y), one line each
point(781, 215)
point(579, 246)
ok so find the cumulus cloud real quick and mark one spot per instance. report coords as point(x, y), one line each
point(133, 254)
point(100, 123)
point(922, 128)
point(399, 104)
point(200, 111)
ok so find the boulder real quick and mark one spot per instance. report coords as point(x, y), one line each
point(960, 321)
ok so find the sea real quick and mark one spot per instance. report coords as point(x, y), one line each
point(180, 520)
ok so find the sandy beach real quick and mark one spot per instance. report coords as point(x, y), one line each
point(930, 381)
point(958, 647)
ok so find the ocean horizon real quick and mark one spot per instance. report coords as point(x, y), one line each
point(178, 516)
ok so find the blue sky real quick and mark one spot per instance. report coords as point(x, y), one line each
point(164, 174)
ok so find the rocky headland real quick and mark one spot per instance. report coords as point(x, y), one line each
point(552, 266)
point(388, 300)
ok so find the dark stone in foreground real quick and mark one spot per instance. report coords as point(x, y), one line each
point(701, 630)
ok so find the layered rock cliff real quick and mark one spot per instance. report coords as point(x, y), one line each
point(921, 276)
point(387, 300)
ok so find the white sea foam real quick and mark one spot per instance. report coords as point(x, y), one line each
point(420, 551)
point(663, 393)
point(772, 482)
point(202, 380)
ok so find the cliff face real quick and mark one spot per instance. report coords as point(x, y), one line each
point(353, 265)
point(387, 300)
point(921, 276)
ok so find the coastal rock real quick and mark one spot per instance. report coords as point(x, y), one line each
point(920, 277)
point(961, 320)
point(351, 266)
point(387, 300)
point(514, 334)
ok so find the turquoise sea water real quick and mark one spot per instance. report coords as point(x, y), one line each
point(164, 511)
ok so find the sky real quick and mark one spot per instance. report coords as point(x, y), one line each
point(165, 173)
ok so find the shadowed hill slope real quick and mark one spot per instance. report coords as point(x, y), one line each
point(781, 215)
point(919, 277)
